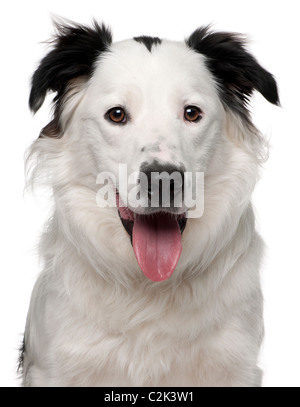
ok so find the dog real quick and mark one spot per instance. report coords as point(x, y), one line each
point(143, 295)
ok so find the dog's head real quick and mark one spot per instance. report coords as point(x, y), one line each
point(152, 113)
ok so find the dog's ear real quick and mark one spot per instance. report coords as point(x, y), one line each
point(75, 51)
point(237, 72)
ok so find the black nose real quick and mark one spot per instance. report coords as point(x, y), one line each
point(165, 184)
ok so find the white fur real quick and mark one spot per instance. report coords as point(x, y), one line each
point(94, 319)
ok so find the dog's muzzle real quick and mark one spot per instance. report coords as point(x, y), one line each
point(156, 234)
point(163, 186)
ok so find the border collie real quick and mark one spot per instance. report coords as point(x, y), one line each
point(132, 293)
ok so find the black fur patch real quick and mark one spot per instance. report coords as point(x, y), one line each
point(76, 49)
point(237, 72)
point(21, 356)
point(148, 41)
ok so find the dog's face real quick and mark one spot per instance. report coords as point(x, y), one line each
point(158, 108)
point(146, 110)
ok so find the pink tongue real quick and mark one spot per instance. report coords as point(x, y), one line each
point(156, 243)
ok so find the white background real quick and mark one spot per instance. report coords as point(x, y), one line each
point(272, 27)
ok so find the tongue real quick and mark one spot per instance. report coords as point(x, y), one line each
point(156, 243)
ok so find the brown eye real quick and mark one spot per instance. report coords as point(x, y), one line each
point(117, 115)
point(192, 114)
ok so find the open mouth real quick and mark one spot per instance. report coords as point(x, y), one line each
point(156, 240)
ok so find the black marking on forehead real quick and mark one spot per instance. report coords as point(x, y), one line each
point(148, 41)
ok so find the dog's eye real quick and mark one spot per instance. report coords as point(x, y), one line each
point(117, 115)
point(192, 114)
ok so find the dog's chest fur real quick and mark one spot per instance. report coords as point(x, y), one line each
point(106, 335)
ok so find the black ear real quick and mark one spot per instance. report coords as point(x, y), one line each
point(75, 51)
point(237, 72)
